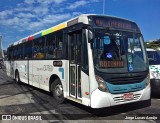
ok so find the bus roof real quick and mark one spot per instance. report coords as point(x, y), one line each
point(83, 18)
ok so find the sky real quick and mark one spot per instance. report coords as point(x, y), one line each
point(21, 18)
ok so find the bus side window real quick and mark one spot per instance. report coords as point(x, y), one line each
point(38, 49)
point(11, 52)
point(25, 50)
point(54, 43)
point(27, 54)
point(20, 52)
point(15, 52)
point(50, 46)
point(59, 42)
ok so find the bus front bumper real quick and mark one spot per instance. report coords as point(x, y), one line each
point(101, 99)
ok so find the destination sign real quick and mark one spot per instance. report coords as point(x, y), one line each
point(115, 23)
point(111, 64)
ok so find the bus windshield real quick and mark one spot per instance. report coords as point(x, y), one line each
point(153, 57)
point(118, 51)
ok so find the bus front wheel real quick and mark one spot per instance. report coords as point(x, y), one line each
point(57, 91)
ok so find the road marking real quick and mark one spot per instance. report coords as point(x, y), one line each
point(3, 96)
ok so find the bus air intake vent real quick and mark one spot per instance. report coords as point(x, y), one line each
point(127, 79)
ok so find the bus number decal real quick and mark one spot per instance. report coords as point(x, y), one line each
point(57, 63)
point(48, 68)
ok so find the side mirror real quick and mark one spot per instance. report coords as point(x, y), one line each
point(90, 36)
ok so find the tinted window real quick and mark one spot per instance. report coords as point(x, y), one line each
point(118, 51)
point(54, 45)
point(14, 53)
point(153, 57)
point(28, 50)
point(38, 49)
point(20, 52)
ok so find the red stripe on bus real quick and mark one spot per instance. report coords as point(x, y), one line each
point(31, 38)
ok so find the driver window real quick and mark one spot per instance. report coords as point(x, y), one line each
point(110, 49)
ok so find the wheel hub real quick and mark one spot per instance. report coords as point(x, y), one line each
point(58, 90)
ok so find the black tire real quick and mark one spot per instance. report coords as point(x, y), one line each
point(17, 79)
point(57, 91)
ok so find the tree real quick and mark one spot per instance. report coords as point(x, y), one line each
point(154, 44)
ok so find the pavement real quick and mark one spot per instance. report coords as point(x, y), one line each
point(27, 102)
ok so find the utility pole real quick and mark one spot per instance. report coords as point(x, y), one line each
point(103, 7)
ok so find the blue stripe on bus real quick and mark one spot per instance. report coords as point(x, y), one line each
point(124, 88)
point(62, 70)
point(38, 35)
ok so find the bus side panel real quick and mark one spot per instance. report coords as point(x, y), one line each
point(65, 78)
point(12, 68)
point(22, 67)
point(85, 89)
point(8, 68)
point(62, 73)
point(38, 73)
point(30, 74)
point(44, 69)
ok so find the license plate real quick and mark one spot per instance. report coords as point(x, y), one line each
point(128, 96)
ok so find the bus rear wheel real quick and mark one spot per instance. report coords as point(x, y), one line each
point(17, 77)
point(57, 91)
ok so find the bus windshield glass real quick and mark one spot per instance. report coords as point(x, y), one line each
point(118, 51)
point(153, 57)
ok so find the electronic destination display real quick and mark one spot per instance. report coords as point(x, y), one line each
point(116, 23)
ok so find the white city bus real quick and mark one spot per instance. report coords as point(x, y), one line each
point(154, 67)
point(89, 59)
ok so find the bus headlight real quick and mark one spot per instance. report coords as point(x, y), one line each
point(147, 80)
point(101, 84)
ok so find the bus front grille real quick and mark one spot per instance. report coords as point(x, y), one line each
point(120, 99)
point(126, 80)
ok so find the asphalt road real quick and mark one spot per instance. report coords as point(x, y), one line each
point(24, 100)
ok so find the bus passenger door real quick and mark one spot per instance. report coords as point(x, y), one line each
point(74, 55)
